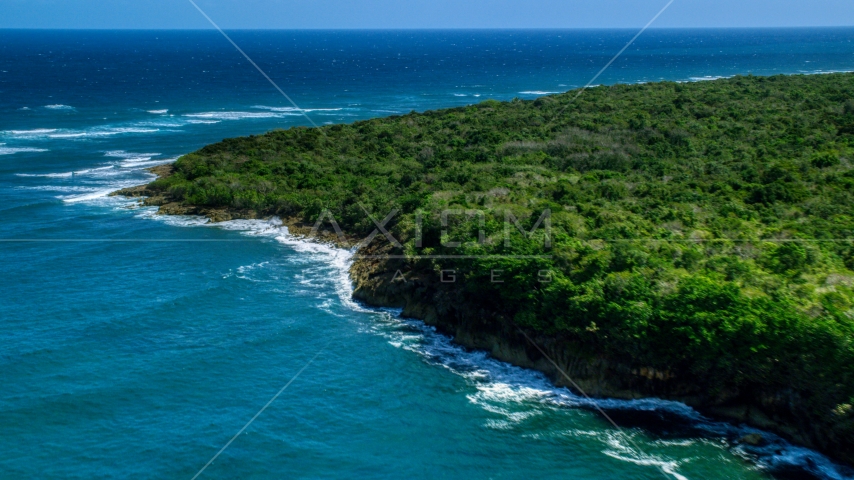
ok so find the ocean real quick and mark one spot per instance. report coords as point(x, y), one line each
point(138, 345)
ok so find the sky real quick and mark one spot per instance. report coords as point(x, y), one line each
point(336, 14)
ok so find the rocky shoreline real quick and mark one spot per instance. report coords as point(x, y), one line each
point(421, 295)
point(153, 198)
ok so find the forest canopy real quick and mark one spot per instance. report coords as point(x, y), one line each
point(700, 228)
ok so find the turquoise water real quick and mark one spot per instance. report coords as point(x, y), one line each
point(136, 346)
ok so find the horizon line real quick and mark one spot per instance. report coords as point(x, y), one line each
point(148, 29)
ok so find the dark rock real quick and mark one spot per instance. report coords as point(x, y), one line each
point(753, 439)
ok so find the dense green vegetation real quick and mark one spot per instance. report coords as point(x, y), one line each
point(701, 229)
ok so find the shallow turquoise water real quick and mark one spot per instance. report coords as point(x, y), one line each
point(137, 346)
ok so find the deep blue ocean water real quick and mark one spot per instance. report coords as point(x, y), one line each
point(136, 346)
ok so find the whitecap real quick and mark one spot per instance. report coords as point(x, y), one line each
point(87, 196)
point(59, 188)
point(102, 132)
point(709, 78)
point(162, 123)
point(537, 92)
point(14, 150)
point(69, 135)
point(292, 109)
point(238, 115)
point(168, 160)
point(46, 175)
point(498, 424)
point(37, 132)
point(91, 171)
point(825, 72)
point(130, 155)
point(59, 107)
point(203, 122)
point(119, 131)
point(146, 163)
point(159, 112)
point(138, 160)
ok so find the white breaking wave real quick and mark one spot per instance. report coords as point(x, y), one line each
point(146, 163)
point(99, 182)
point(59, 107)
point(90, 171)
point(537, 92)
point(101, 193)
point(14, 150)
point(104, 132)
point(69, 135)
point(87, 196)
point(709, 78)
point(339, 259)
point(131, 159)
point(298, 110)
point(60, 188)
point(27, 133)
point(620, 451)
point(161, 123)
point(159, 112)
point(138, 160)
point(203, 122)
point(129, 155)
point(238, 115)
point(825, 72)
point(46, 175)
point(54, 133)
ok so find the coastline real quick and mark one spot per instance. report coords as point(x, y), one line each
point(149, 336)
point(152, 198)
point(423, 298)
point(599, 376)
